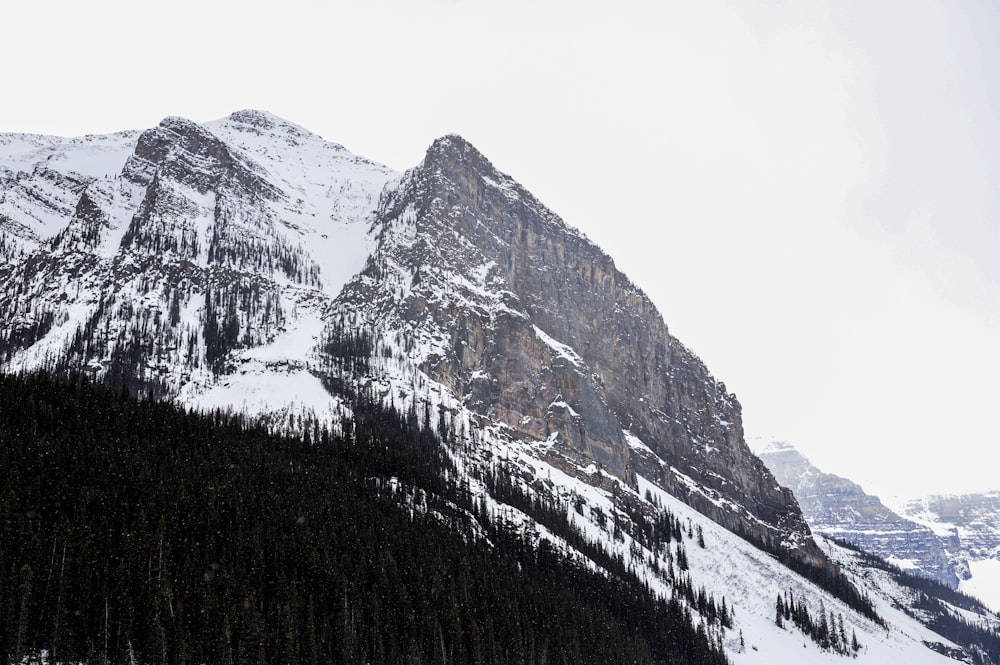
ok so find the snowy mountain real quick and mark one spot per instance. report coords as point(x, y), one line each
point(839, 508)
point(208, 266)
point(248, 264)
point(195, 247)
point(954, 539)
point(42, 178)
point(969, 527)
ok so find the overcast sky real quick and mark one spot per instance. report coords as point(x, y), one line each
point(808, 191)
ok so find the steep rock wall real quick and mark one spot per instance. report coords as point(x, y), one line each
point(537, 329)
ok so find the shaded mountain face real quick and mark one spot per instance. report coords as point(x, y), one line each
point(837, 507)
point(211, 263)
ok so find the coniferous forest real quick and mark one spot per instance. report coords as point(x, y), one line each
point(132, 531)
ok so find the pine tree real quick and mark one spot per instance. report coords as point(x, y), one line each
point(24, 591)
point(841, 633)
point(823, 629)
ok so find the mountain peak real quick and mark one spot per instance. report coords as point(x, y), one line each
point(261, 121)
point(189, 131)
point(452, 141)
point(257, 118)
point(177, 124)
point(456, 151)
point(840, 508)
point(264, 122)
point(246, 264)
point(774, 447)
point(258, 127)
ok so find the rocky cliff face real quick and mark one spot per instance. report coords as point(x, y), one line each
point(535, 329)
point(837, 507)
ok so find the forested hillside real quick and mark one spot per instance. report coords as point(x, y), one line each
point(135, 532)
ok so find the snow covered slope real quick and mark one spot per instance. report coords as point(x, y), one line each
point(42, 177)
point(717, 564)
point(163, 258)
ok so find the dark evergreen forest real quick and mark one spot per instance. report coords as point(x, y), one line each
point(132, 531)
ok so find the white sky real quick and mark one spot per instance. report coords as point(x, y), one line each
point(808, 191)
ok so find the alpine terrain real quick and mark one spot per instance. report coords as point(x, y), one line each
point(839, 508)
point(249, 269)
point(969, 527)
point(954, 539)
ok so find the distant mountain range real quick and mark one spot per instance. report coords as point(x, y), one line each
point(944, 537)
point(969, 527)
point(839, 508)
point(248, 265)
